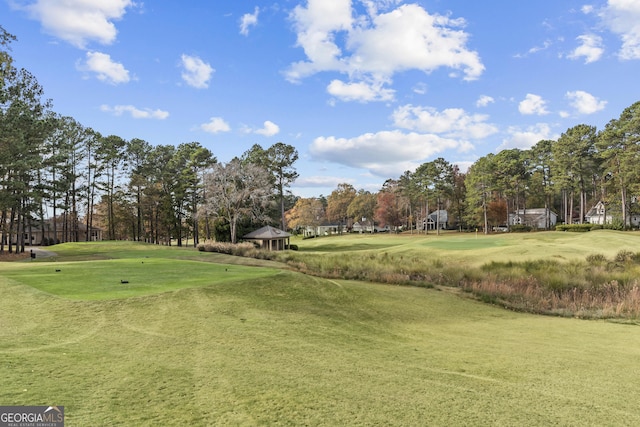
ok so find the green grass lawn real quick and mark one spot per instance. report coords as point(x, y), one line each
point(123, 278)
point(198, 345)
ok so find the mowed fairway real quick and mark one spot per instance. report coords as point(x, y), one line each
point(229, 344)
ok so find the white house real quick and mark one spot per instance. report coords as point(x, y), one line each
point(596, 215)
point(325, 229)
point(364, 226)
point(536, 218)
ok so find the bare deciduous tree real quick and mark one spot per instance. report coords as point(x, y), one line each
point(236, 190)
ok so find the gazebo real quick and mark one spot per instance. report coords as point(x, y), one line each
point(271, 238)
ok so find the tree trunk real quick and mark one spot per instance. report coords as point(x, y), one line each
point(232, 228)
point(3, 224)
point(12, 218)
point(623, 196)
point(571, 197)
point(438, 217)
point(484, 211)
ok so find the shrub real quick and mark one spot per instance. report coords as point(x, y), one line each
point(579, 228)
point(616, 224)
point(239, 249)
point(626, 256)
point(520, 228)
point(597, 259)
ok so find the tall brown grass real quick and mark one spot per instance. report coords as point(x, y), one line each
point(611, 300)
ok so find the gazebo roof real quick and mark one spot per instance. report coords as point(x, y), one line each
point(267, 233)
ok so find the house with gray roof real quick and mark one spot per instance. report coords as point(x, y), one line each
point(270, 238)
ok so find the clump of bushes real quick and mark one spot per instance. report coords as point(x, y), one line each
point(615, 225)
point(243, 249)
point(596, 259)
point(578, 228)
point(238, 249)
point(627, 256)
point(520, 228)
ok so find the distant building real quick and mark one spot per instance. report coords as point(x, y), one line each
point(535, 218)
point(324, 229)
point(436, 219)
point(44, 234)
point(598, 214)
point(270, 238)
point(364, 226)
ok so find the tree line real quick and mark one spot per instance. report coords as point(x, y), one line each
point(568, 176)
point(65, 179)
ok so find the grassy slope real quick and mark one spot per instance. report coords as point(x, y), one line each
point(296, 350)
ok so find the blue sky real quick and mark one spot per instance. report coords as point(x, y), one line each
point(364, 89)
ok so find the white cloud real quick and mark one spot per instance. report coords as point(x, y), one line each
point(623, 18)
point(587, 9)
point(321, 181)
point(249, 20)
point(526, 138)
point(136, 113)
point(269, 129)
point(385, 153)
point(421, 88)
point(451, 122)
point(377, 46)
point(361, 91)
point(546, 45)
point(535, 49)
point(484, 100)
point(322, 16)
point(79, 21)
point(533, 104)
point(215, 125)
point(410, 38)
point(105, 68)
point(591, 48)
point(316, 27)
point(197, 73)
point(584, 102)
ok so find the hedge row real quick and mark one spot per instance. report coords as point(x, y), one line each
point(587, 227)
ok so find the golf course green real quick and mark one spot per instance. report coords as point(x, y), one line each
point(204, 339)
